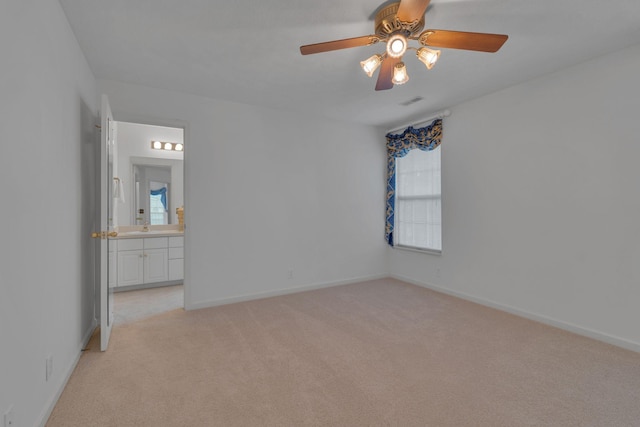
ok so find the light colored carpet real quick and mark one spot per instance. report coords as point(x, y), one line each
point(379, 353)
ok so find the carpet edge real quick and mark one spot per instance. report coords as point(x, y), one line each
point(579, 330)
point(279, 292)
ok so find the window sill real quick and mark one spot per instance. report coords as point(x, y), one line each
point(419, 250)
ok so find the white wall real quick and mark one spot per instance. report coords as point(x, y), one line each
point(134, 141)
point(541, 200)
point(541, 210)
point(48, 109)
point(268, 191)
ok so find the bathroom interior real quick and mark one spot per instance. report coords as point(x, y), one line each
point(146, 247)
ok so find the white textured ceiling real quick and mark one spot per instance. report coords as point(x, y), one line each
point(248, 50)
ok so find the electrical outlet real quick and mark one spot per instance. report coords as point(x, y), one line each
point(49, 367)
point(290, 273)
point(8, 418)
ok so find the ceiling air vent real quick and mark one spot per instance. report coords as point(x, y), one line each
point(412, 101)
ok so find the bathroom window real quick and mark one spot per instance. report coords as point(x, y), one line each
point(158, 215)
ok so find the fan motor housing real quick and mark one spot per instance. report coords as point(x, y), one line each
point(387, 23)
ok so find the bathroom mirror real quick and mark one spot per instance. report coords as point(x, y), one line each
point(142, 169)
point(156, 190)
point(152, 194)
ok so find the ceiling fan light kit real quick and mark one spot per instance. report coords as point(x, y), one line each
point(400, 75)
point(427, 56)
point(396, 45)
point(371, 64)
point(395, 25)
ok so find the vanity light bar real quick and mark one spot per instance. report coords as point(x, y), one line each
point(167, 146)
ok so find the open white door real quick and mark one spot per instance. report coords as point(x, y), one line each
point(106, 191)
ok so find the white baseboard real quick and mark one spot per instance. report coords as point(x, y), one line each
point(278, 292)
point(609, 339)
point(72, 366)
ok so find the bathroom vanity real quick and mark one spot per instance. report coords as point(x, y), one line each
point(146, 258)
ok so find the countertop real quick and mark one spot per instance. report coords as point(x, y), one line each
point(136, 232)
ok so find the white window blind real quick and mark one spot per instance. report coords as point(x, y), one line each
point(157, 214)
point(418, 213)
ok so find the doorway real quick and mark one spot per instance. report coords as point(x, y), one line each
point(147, 255)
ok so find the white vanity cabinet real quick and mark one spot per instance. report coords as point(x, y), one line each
point(155, 257)
point(130, 262)
point(143, 261)
point(176, 258)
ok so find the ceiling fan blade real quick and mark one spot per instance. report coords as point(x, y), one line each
point(338, 44)
point(412, 10)
point(482, 42)
point(386, 73)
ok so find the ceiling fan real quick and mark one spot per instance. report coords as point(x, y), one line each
point(396, 24)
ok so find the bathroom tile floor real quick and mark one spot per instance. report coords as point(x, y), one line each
point(131, 306)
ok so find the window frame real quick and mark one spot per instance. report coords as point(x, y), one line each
point(396, 225)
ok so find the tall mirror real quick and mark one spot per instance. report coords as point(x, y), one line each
point(152, 194)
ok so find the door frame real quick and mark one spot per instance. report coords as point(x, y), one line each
point(184, 125)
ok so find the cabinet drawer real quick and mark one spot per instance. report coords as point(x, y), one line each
point(155, 243)
point(129, 244)
point(176, 253)
point(176, 242)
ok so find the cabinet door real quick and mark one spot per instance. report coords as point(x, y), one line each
point(156, 265)
point(130, 268)
point(176, 269)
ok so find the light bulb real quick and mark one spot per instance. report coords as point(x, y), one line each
point(167, 146)
point(371, 64)
point(396, 45)
point(157, 145)
point(179, 147)
point(400, 75)
point(428, 56)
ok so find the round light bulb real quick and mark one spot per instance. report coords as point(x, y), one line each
point(167, 146)
point(157, 145)
point(396, 45)
point(179, 147)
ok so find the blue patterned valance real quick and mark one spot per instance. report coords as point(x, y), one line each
point(425, 139)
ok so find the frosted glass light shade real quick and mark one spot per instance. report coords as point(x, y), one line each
point(427, 56)
point(400, 75)
point(396, 45)
point(371, 64)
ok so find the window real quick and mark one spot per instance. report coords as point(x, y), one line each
point(158, 208)
point(418, 215)
point(157, 213)
point(412, 212)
